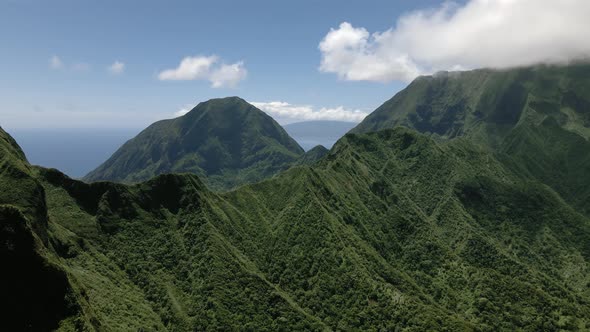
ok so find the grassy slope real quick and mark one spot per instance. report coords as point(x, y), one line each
point(226, 141)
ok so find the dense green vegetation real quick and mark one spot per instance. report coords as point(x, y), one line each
point(389, 230)
point(227, 142)
point(535, 119)
point(36, 294)
point(482, 226)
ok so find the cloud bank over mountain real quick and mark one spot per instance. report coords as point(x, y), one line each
point(479, 33)
point(285, 112)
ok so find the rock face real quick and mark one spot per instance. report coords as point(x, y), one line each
point(227, 142)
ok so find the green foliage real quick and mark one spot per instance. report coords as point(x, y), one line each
point(36, 294)
point(552, 155)
point(390, 230)
point(536, 119)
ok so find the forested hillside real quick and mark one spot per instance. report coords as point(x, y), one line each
point(390, 230)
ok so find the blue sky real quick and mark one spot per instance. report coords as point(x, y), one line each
point(275, 42)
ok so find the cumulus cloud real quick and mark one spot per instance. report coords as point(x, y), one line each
point(479, 33)
point(228, 75)
point(190, 68)
point(206, 68)
point(286, 111)
point(55, 62)
point(117, 68)
point(355, 55)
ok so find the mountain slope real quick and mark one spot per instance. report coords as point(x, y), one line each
point(389, 230)
point(536, 119)
point(487, 103)
point(410, 201)
point(163, 244)
point(35, 291)
point(226, 141)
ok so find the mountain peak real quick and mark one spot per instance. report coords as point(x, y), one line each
point(227, 106)
point(227, 141)
point(10, 146)
point(485, 102)
point(226, 102)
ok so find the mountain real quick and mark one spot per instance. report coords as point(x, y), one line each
point(487, 104)
point(226, 141)
point(312, 156)
point(36, 293)
point(390, 230)
point(309, 134)
point(535, 119)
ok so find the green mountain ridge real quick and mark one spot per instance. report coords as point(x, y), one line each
point(482, 226)
point(36, 291)
point(226, 141)
point(354, 242)
point(536, 119)
point(486, 103)
point(313, 155)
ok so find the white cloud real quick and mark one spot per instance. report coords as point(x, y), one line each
point(228, 75)
point(479, 33)
point(285, 111)
point(354, 55)
point(55, 62)
point(190, 68)
point(206, 68)
point(117, 68)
